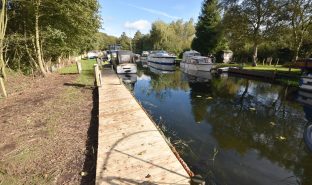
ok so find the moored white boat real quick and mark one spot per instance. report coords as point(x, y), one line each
point(144, 55)
point(125, 63)
point(126, 68)
point(306, 82)
point(161, 58)
point(193, 61)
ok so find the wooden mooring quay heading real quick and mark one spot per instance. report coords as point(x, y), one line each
point(131, 150)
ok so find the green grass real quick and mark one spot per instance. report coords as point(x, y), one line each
point(279, 69)
point(219, 65)
point(87, 75)
point(292, 80)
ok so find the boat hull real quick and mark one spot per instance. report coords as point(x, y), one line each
point(128, 68)
point(308, 137)
point(162, 60)
point(196, 67)
point(306, 83)
point(162, 66)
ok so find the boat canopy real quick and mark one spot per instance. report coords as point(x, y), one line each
point(200, 60)
point(188, 54)
point(125, 56)
point(161, 54)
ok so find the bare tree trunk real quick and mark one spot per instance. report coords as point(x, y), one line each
point(3, 25)
point(276, 64)
point(37, 40)
point(269, 60)
point(297, 49)
point(255, 55)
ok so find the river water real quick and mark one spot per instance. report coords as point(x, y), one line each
point(231, 130)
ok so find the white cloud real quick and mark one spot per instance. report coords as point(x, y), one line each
point(153, 11)
point(138, 25)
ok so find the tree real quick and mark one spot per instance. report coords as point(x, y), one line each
point(102, 40)
point(3, 26)
point(298, 16)
point(208, 36)
point(125, 41)
point(43, 31)
point(159, 35)
point(137, 42)
point(253, 19)
point(174, 37)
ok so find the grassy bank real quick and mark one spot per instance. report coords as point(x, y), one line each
point(278, 69)
point(52, 139)
point(87, 75)
point(289, 78)
point(286, 77)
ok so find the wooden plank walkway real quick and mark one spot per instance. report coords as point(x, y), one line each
point(131, 150)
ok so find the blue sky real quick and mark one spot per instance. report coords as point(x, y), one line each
point(130, 15)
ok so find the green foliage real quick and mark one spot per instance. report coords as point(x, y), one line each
point(209, 38)
point(138, 42)
point(66, 27)
point(276, 28)
point(174, 37)
point(102, 40)
point(125, 42)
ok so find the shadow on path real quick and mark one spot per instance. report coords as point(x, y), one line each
point(80, 86)
point(89, 165)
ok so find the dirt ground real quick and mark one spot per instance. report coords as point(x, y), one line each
point(48, 131)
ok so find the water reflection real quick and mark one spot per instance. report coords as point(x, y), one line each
point(129, 80)
point(161, 68)
point(305, 98)
point(195, 76)
point(256, 127)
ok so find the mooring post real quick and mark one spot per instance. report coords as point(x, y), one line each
point(97, 75)
point(3, 87)
point(79, 68)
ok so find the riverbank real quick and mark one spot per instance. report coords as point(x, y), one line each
point(49, 133)
point(282, 74)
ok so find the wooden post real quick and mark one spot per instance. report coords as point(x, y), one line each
point(79, 68)
point(3, 88)
point(97, 75)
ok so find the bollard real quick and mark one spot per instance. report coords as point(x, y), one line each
point(3, 87)
point(79, 68)
point(97, 75)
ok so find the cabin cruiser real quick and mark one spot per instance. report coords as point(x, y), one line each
point(144, 55)
point(306, 81)
point(161, 60)
point(125, 62)
point(305, 98)
point(194, 61)
point(144, 59)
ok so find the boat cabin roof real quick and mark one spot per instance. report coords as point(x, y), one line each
point(124, 52)
point(191, 52)
point(199, 57)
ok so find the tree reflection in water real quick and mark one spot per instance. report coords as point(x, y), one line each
point(256, 126)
